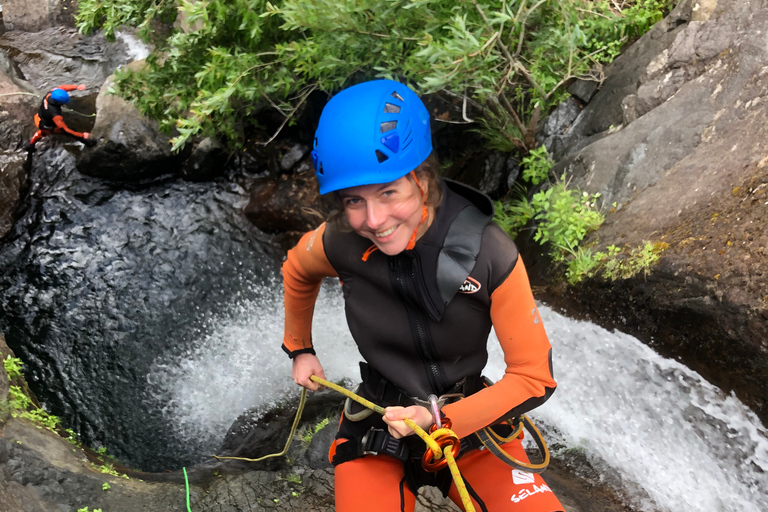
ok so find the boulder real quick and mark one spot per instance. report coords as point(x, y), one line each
point(130, 146)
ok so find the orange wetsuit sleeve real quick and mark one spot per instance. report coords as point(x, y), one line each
point(303, 273)
point(67, 87)
point(527, 380)
point(59, 121)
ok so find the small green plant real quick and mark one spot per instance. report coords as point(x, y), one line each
point(86, 509)
point(105, 486)
point(107, 469)
point(293, 477)
point(635, 261)
point(536, 165)
point(13, 367)
point(614, 263)
point(512, 216)
point(22, 407)
point(310, 433)
point(580, 266)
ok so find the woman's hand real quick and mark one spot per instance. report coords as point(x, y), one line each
point(81, 87)
point(304, 366)
point(394, 417)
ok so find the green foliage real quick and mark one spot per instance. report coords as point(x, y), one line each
point(536, 165)
point(108, 469)
point(618, 264)
point(13, 367)
point(564, 217)
point(512, 216)
point(310, 433)
point(226, 60)
point(22, 407)
point(105, 486)
point(86, 509)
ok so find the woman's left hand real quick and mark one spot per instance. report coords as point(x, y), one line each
point(394, 417)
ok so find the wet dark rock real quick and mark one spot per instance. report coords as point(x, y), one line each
point(293, 156)
point(583, 89)
point(208, 160)
point(255, 434)
point(289, 204)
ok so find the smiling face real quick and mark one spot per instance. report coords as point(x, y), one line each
point(387, 214)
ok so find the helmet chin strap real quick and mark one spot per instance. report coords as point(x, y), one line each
point(424, 213)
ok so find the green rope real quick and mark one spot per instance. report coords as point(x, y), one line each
point(186, 482)
point(69, 110)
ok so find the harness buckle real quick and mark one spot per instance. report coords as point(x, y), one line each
point(377, 441)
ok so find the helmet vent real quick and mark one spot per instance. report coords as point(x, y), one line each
point(388, 125)
point(396, 96)
point(381, 157)
point(390, 108)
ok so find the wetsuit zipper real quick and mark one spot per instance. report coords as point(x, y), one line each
point(403, 277)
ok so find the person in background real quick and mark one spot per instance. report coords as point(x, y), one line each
point(425, 274)
point(49, 118)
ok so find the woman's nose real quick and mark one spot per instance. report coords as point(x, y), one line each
point(375, 215)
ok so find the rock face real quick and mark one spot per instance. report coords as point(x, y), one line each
point(34, 15)
point(679, 145)
point(12, 177)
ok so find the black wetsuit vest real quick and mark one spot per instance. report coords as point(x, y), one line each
point(47, 114)
point(422, 318)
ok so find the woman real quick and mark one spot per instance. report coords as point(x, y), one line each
point(425, 275)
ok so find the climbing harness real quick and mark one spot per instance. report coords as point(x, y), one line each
point(443, 446)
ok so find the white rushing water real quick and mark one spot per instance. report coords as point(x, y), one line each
point(665, 438)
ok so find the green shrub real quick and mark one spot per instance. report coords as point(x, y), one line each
point(503, 62)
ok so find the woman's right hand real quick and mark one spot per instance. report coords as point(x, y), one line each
point(304, 366)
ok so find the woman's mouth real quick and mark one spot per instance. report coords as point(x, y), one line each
point(384, 234)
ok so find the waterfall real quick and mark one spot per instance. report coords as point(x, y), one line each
point(665, 438)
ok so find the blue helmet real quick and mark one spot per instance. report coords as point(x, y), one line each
point(60, 96)
point(373, 132)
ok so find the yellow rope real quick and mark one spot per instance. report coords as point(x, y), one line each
point(431, 443)
point(290, 437)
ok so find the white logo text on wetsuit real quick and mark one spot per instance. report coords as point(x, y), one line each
point(522, 478)
point(470, 286)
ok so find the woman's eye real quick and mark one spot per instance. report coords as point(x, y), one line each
point(351, 201)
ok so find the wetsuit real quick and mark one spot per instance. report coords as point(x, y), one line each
point(421, 320)
point(49, 119)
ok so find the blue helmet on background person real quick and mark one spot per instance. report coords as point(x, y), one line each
point(373, 132)
point(60, 96)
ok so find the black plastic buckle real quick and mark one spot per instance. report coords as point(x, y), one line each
point(377, 441)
